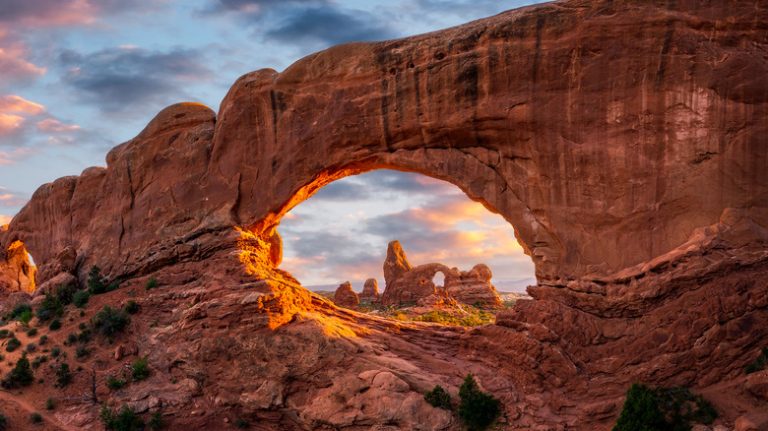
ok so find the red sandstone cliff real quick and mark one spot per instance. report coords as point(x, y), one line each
point(625, 140)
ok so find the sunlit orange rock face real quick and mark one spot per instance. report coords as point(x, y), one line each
point(624, 140)
point(17, 273)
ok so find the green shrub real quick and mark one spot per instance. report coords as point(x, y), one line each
point(663, 408)
point(31, 347)
point(71, 339)
point(84, 336)
point(3, 422)
point(439, 398)
point(131, 307)
point(63, 375)
point(64, 293)
point(96, 283)
point(55, 325)
point(80, 298)
point(4, 333)
point(32, 332)
point(477, 409)
point(152, 283)
point(56, 351)
point(25, 317)
point(124, 420)
point(242, 423)
point(50, 404)
point(36, 418)
point(20, 375)
point(140, 369)
point(114, 383)
point(156, 422)
point(12, 345)
point(109, 321)
point(759, 364)
point(43, 340)
point(19, 310)
point(39, 360)
point(50, 308)
point(82, 352)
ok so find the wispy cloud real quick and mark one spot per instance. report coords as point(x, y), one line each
point(14, 111)
point(52, 125)
point(13, 156)
point(122, 78)
point(15, 66)
point(5, 219)
point(328, 26)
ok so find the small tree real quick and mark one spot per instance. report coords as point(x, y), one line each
point(438, 397)
point(96, 283)
point(140, 369)
point(124, 420)
point(50, 308)
point(63, 375)
point(477, 409)
point(109, 321)
point(641, 411)
point(80, 298)
point(20, 375)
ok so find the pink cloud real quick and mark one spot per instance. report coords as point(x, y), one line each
point(52, 125)
point(13, 60)
point(11, 157)
point(5, 219)
point(13, 112)
point(18, 104)
point(10, 123)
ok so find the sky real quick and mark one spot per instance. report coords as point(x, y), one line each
point(78, 77)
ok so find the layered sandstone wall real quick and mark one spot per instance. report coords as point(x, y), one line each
point(606, 132)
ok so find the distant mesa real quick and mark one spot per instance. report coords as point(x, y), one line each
point(409, 285)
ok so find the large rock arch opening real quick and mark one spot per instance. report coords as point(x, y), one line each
point(624, 139)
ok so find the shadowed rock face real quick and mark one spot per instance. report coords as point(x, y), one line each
point(624, 140)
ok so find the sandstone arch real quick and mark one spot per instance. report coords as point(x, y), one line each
point(581, 166)
point(624, 139)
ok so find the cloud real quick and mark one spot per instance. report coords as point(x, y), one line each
point(54, 13)
point(14, 111)
point(14, 103)
point(119, 79)
point(328, 26)
point(9, 198)
point(11, 157)
point(52, 125)
point(14, 65)
point(252, 6)
point(5, 219)
point(342, 191)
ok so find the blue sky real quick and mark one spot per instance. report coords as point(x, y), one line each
point(78, 77)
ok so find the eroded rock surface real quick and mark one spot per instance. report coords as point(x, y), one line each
point(370, 291)
point(624, 140)
point(345, 296)
point(416, 285)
